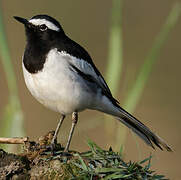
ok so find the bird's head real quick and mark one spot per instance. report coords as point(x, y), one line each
point(41, 28)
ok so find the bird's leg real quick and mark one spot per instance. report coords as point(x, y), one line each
point(57, 131)
point(74, 122)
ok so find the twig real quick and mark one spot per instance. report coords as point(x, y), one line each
point(13, 140)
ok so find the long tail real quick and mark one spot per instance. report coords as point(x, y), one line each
point(141, 130)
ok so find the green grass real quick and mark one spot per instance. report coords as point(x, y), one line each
point(94, 164)
point(12, 121)
point(148, 65)
point(101, 164)
point(115, 60)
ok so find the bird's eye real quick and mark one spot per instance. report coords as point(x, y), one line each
point(43, 27)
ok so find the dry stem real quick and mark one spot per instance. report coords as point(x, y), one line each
point(14, 140)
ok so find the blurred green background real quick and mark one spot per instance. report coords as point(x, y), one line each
point(89, 23)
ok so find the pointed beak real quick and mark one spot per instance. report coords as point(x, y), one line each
point(21, 20)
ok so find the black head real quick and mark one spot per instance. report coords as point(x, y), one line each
point(43, 33)
point(41, 28)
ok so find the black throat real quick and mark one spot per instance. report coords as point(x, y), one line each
point(35, 56)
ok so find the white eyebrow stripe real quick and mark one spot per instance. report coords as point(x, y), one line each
point(49, 24)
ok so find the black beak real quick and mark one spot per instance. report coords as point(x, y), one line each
point(21, 20)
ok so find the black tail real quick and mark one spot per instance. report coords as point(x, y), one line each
point(141, 130)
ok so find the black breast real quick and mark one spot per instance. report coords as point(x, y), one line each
point(35, 57)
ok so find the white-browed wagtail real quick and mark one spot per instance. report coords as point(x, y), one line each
point(61, 75)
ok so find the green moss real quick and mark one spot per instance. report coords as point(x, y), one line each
point(94, 164)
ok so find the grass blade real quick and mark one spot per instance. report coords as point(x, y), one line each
point(115, 59)
point(138, 86)
point(12, 122)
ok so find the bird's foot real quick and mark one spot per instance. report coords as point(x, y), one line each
point(52, 147)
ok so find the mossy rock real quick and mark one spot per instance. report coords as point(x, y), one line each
point(38, 162)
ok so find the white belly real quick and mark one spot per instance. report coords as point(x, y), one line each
point(56, 86)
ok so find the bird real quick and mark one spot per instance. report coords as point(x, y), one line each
point(61, 75)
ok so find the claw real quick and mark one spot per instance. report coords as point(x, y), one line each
point(52, 148)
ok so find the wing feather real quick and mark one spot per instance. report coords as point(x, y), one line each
point(83, 64)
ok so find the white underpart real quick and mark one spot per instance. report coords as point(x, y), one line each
point(38, 22)
point(63, 90)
